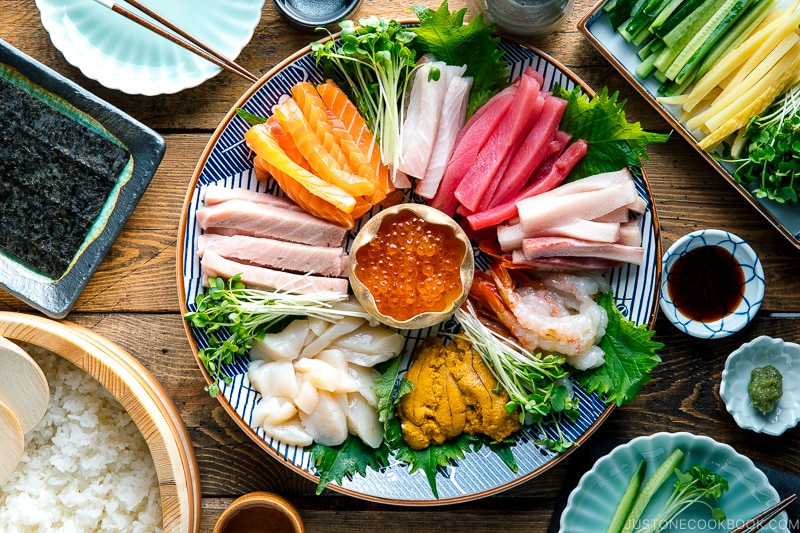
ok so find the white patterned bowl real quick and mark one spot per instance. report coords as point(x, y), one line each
point(784, 356)
point(753, 279)
point(122, 55)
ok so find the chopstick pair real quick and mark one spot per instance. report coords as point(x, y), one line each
point(193, 44)
point(762, 519)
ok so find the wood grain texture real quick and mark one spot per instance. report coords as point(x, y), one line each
point(133, 301)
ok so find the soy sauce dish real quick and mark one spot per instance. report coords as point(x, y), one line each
point(713, 284)
point(308, 15)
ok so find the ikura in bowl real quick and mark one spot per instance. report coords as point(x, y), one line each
point(411, 266)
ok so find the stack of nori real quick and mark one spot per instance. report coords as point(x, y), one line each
point(55, 177)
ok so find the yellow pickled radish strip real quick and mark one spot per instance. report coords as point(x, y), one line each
point(261, 141)
point(322, 163)
point(759, 98)
point(735, 91)
point(724, 71)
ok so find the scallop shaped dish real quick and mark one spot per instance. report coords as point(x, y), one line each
point(751, 290)
point(398, 219)
point(592, 503)
point(785, 357)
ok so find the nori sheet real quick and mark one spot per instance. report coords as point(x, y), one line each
point(55, 177)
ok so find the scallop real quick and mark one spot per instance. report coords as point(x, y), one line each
point(327, 425)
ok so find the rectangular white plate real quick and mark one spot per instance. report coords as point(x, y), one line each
point(596, 27)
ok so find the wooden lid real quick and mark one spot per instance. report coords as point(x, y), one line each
point(23, 385)
point(12, 442)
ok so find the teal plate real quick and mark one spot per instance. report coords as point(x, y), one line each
point(122, 55)
point(593, 502)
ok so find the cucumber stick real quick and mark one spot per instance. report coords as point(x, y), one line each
point(628, 499)
point(659, 477)
point(678, 38)
point(686, 8)
point(701, 43)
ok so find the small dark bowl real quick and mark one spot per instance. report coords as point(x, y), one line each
point(308, 15)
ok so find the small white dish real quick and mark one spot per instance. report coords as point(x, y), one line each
point(754, 285)
point(122, 55)
point(784, 356)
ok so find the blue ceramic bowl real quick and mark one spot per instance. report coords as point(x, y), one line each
point(753, 284)
point(308, 15)
point(784, 356)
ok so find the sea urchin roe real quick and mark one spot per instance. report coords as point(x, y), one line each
point(411, 266)
point(765, 388)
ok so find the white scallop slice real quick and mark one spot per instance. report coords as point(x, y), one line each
point(23, 385)
point(12, 442)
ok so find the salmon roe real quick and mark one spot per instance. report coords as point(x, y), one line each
point(411, 266)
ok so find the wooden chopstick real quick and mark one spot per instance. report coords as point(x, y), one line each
point(191, 43)
point(762, 519)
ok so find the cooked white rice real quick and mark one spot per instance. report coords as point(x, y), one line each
point(86, 465)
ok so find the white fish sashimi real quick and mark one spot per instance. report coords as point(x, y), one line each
point(282, 346)
point(453, 115)
point(422, 118)
point(327, 425)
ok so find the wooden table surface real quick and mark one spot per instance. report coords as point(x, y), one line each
point(133, 300)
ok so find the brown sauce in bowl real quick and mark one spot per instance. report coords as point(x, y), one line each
point(706, 284)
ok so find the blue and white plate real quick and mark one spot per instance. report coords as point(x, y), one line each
point(593, 502)
point(121, 55)
point(227, 160)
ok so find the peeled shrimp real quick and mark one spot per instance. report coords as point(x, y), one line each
point(553, 312)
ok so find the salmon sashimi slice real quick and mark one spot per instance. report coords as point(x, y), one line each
point(359, 161)
point(341, 106)
point(315, 112)
point(311, 203)
point(286, 143)
point(259, 138)
point(322, 162)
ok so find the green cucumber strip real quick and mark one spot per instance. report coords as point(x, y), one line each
point(705, 38)
point(645, 68)
point(627, 500)
point(686, 8)
point(666, 12)
point(738, 33)
point(659, 477)
point(687, 28)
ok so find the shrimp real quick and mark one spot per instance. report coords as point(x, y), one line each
point(555, 312)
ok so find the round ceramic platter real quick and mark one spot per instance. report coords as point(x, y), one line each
point(593, 502)
point(227, 161)
point(140, 394)
point(121, 55)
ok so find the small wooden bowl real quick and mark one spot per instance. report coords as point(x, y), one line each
point(260, 511)
point(143, 398)
point(431, 216)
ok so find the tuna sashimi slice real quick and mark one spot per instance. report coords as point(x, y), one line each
point(214, 265)
point(538, 247)
point(470, 191)
point(472, 138)
point(552, 175)
point(259, 220)
point(271, 253)
point(533, 150)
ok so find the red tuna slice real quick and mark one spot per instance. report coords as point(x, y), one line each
point(474, 136)
point(556, 173)
point(488, 198)
point(532, 152)
point(490, 158)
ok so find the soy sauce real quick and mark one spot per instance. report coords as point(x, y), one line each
point(706, 283)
